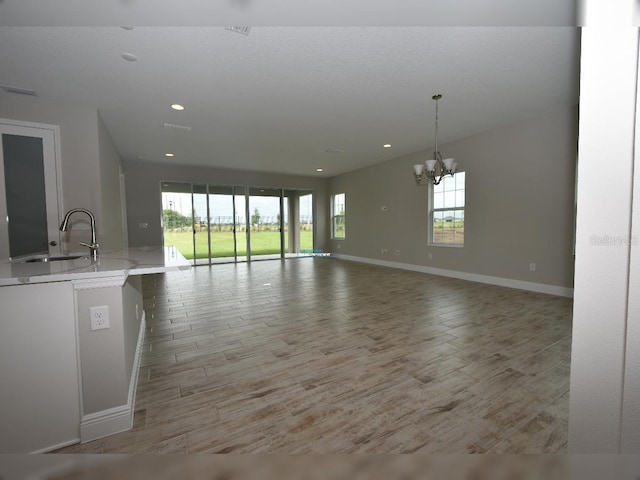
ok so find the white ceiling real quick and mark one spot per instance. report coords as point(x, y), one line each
point(279, 98)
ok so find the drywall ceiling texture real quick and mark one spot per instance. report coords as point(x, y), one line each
point(278, 99)
point(289, 12)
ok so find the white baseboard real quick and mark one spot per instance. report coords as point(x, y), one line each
point(117, 419)
point(472, 277)
point(56, 446)
point(106, 422)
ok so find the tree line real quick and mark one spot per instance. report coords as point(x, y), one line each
point(173, 219)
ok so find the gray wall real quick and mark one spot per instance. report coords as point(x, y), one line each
point(88, 180)
point(107, 356)
point(143, 193)
point(519, 204)
point(102, 352)
point(111, 206)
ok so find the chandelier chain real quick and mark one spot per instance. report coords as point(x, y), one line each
point(437, 151)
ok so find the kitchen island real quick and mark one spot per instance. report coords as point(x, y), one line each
point(64, 380)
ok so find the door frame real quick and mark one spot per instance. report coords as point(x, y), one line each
point(50, 135)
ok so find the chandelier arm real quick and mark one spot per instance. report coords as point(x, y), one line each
point(433, 178)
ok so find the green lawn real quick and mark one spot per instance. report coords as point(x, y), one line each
point(262, 243)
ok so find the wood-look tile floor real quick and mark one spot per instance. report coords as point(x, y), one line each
point(328, 356)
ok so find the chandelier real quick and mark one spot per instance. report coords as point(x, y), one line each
point(434, 170)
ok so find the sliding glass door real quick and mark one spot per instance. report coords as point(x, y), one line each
point(177, 218)
point(265, 229)
point(299, 231)
point(241, 219)
point(201, 232)
point(212, 224)
point(222, 227)
point(305, 221)
point(286, 243)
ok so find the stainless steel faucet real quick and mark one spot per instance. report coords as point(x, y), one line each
point(93, 246)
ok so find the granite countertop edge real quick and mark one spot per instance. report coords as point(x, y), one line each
point(111, 263)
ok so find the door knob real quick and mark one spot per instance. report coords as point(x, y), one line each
point(53, 243)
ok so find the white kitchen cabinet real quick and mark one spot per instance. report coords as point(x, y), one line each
point(39, 389)
point(62, 382)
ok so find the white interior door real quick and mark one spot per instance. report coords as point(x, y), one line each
point(29, 193)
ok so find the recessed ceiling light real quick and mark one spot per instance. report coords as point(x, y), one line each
point(319, 170)
point(387, 145)
point(168, 154)
point(177, 106)
point(129, 57)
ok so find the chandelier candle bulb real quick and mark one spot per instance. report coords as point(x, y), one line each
point(448, 163)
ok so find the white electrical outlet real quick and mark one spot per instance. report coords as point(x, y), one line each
point(384, 251)
point(99, 317)
point(532, 267)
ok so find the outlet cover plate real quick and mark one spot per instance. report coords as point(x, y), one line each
point(99, 317)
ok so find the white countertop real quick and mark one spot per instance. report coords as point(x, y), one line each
point(132, 261)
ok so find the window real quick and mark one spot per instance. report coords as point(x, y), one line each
point(447, 211)
point(337, 216)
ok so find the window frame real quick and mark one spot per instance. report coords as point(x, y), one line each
point(432, 210)
point(335, 216)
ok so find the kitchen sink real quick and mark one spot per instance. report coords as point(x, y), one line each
point(53, 258)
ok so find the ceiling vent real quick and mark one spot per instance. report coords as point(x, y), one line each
point(19, 91)
point(243, 30)
point(334, 150)
point(172, 127)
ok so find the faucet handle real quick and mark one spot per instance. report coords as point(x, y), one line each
point(93, 248)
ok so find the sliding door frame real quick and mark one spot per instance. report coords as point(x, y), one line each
point(245, 191)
